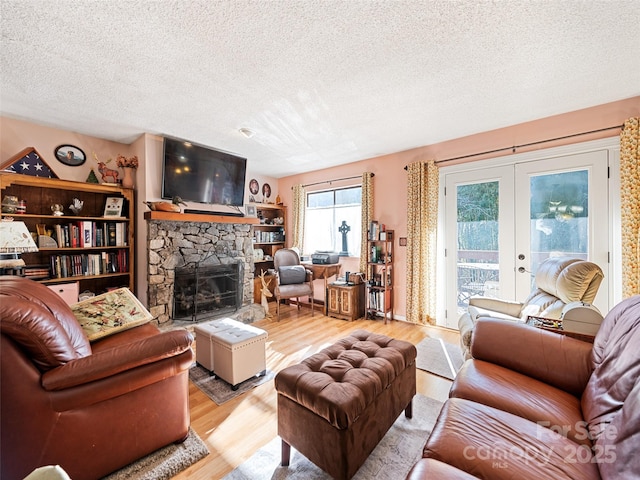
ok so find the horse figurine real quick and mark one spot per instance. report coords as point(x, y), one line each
point(266, 293)
point(107, 172)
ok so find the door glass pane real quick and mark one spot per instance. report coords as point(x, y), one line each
point(559, 216)
point(477, 235)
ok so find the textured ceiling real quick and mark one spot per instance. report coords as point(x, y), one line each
point(320, 82)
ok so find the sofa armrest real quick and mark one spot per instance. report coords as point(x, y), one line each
point(118, 359)
point(546, 356)
point(512, 309)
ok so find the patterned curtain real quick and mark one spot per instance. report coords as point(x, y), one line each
point(297, 220)
point(630, 206)
point(367, 214)
point(422, 229)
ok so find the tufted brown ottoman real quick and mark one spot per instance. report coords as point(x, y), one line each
point(335, 406)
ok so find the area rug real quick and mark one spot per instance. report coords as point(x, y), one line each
point(440, 358)
point(166, 462)
point(394, 456)
point(220, 391)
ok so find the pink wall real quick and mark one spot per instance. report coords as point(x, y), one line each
point(18, 135)
point(390, 196)
point(389, 184)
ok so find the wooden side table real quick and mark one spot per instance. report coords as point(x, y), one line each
point(345, 301)
point(555, 325)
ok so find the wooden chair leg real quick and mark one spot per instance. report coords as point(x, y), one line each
point(278, 307)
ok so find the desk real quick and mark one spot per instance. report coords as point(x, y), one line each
point(321, 271)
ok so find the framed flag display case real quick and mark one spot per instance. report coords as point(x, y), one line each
point(28, 162)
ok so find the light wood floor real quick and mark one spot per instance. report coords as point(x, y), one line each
point(235, 430)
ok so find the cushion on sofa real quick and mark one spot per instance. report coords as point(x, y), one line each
point(37, 332)
point(492, 385)
point(51, 309)
point(617, 446)
point(555, 359)
point(489, 443)
point(431, 468)
point(292, 274)
point(110, 313)
point(616, 360)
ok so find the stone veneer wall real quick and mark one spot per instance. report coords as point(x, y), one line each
point(173, 244)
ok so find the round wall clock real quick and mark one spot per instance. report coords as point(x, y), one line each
point(70, 155)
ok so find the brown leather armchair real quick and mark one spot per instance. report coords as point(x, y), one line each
point(559, 281)
point(91, 408)
point(292, 279)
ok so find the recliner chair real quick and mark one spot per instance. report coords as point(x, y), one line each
point(91, 408)
point(559, 281)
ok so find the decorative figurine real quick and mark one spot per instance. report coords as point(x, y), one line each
point(265, 293)
point(76, 206)
point(57, 209)
point(108, 172)
point(174, 206)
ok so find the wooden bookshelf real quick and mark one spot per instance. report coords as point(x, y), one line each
point(116, 265)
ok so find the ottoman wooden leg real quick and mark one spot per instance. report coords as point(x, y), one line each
point(286, 453)
point(408, 412)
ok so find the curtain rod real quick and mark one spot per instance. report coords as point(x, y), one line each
point(335, 180)
point(513, 149)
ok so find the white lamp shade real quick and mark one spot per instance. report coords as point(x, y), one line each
point(15, 238)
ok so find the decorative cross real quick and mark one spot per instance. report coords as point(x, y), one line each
point(344, 229)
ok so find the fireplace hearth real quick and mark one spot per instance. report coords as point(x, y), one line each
point(208, 291)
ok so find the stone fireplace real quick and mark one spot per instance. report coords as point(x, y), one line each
point(175, 244)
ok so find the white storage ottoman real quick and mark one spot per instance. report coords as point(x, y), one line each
point(204, 340)
point(239, 353)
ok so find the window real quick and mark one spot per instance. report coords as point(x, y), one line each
point(326, 212)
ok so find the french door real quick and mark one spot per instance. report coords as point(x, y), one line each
point(503, 221)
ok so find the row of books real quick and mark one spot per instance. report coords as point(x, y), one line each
point(378, 232)
point(87, 233)
point(268, 237)
point(63, 266)
point(379, 301)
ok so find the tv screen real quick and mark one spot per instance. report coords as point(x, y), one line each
point(201, 174)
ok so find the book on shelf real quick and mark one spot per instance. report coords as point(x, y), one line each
point(374, 230)
point(86, 238)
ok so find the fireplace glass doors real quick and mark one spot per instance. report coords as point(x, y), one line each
point(207, 291)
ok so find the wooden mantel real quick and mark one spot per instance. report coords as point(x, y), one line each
point(197, 217)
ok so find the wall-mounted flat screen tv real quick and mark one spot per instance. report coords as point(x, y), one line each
point(201, 174)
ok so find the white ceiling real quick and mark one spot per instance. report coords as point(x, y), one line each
point(320, 82)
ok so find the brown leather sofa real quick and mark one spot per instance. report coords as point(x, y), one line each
point(532, 404)
point(91, 408)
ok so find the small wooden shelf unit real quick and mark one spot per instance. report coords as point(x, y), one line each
point(380, 275)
